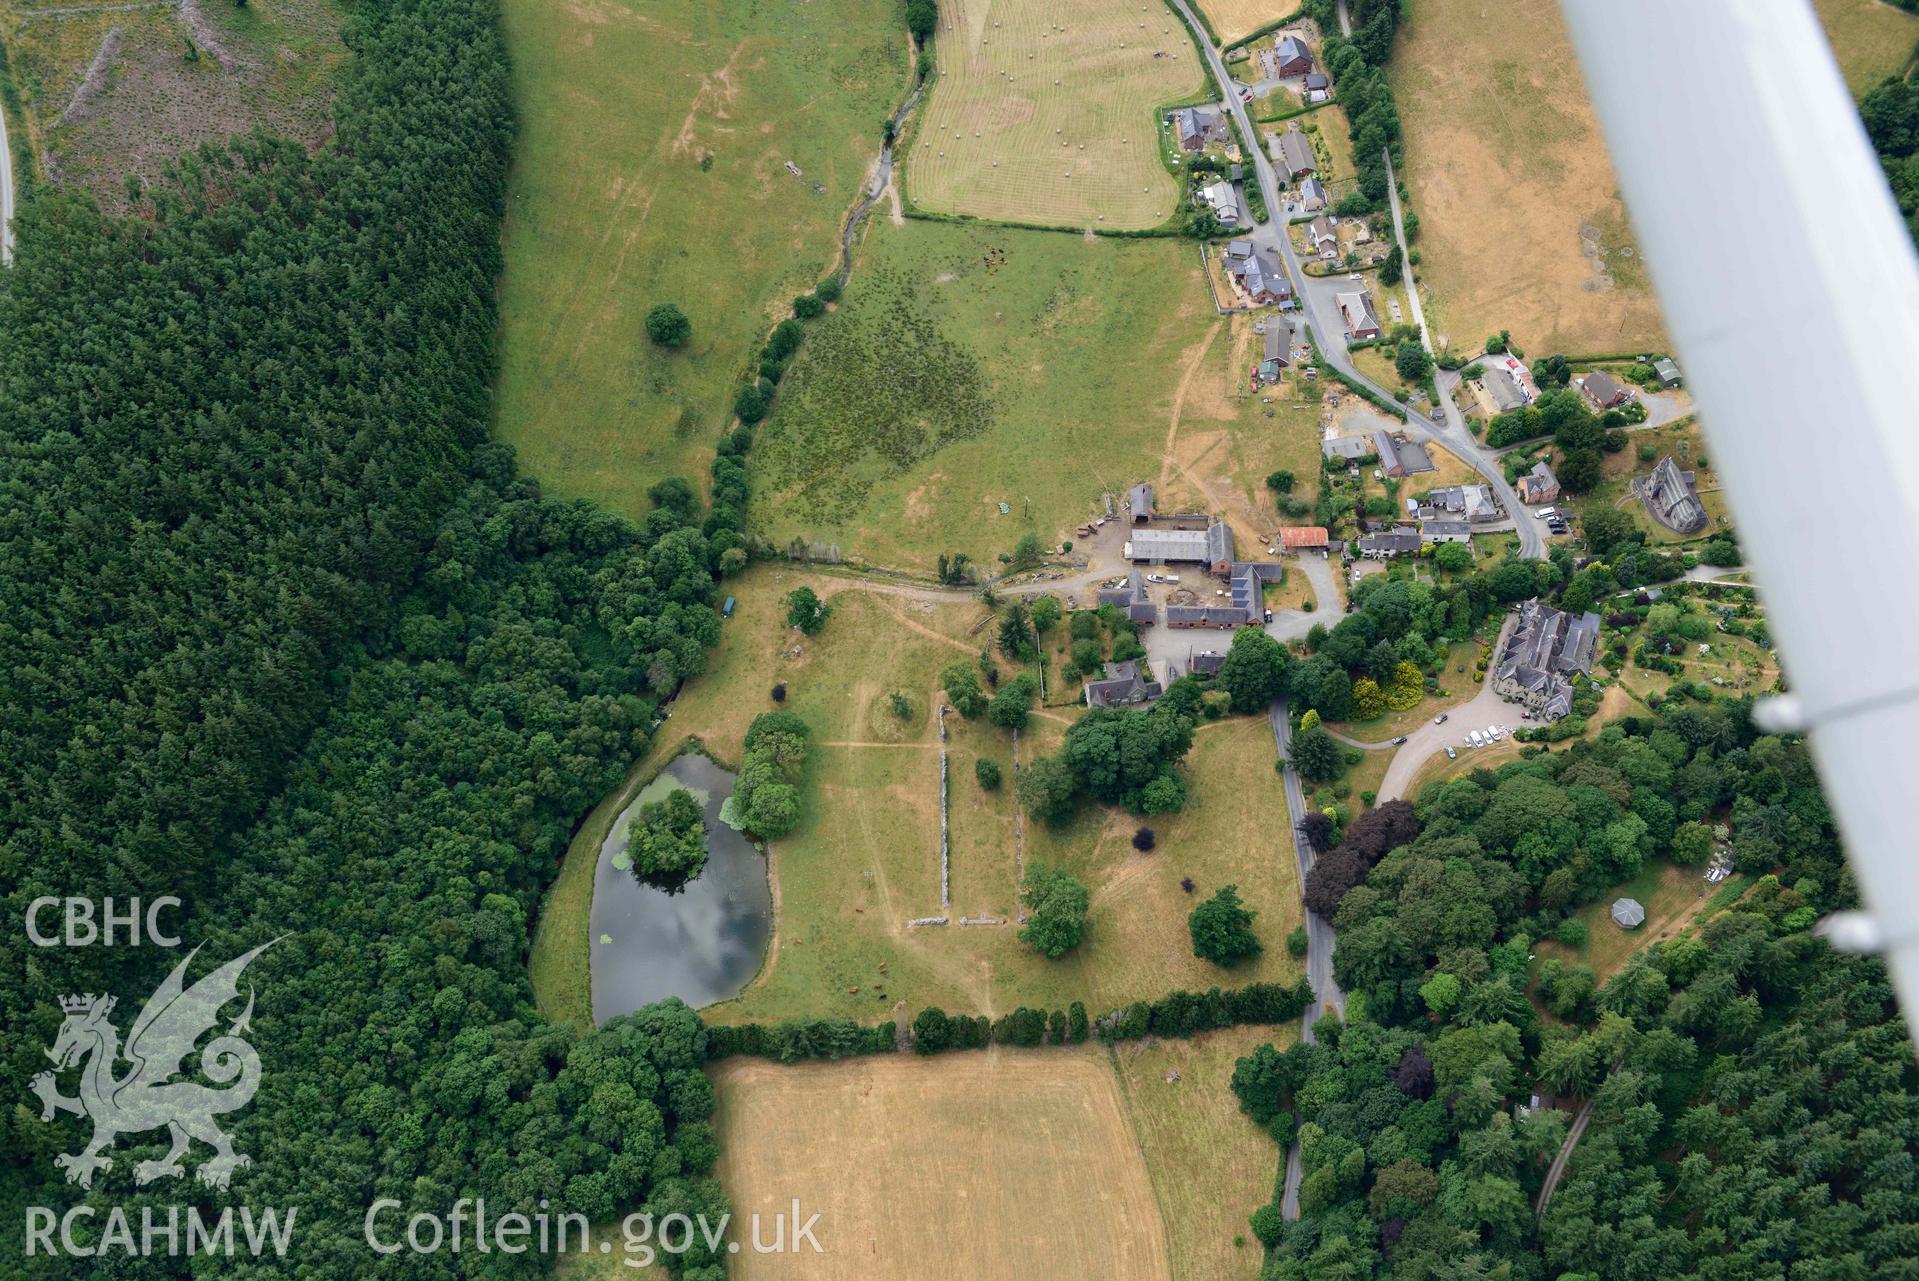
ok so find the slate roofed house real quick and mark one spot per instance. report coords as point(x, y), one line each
point(1545, 650)
point(1475, 503)
point(1316, 86)
point(1139, 501)
point(1602, 389)
point(1627, 913)
point(1205, 663)
point(1321, 238)
point(1224, 202)
point(1121, 685)
point(1296, 154)
point(1389, 460)
point(1279, 349)
point(1131, 598)
point(1538, 485)
point(1260, 277)
point(1503, 388)
point(1237, 253)
point(1445, 531)
point(1399, 542)
point(1357, 308)
point(1312, 195)
point(1194, 127)
point(1289, 56)
point(1295, 538)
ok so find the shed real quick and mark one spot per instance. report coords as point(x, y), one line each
point(1668, 372)
point(1627, 914)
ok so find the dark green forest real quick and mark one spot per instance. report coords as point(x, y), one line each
point(289, 639)
point(1753, 1104)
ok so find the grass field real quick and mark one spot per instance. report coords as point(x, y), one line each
point(1521, 225)
point(1211, 1167)
point(1871, 39)
point(1048, 113)
point(1000, 1165)
point(650, 168)
point(109, 94)
point(968, 367)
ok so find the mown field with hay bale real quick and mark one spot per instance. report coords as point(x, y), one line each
point(1049, 113)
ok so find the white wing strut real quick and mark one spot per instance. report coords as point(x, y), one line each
point(1790, 286)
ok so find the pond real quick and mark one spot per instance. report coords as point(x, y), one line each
point(703, 943)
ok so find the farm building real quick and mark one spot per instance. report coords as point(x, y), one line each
point(1194, 128)
point(1211, 547)
point(1401, 456)
point(1205, 662)
point(1668, 372)
point(1132, 598)
point(1139, 501)
point(1400, 542)
point(1296, 154)
point(1627, 913)
point(1351, 448)
point(1289, 56)
point(1504, 389)
point(1121, 685)
point(1246, 586)
point(1546, 649)
point(1538, 485)
point(1295, 538)
point(1602, 389)
point(1357, 308)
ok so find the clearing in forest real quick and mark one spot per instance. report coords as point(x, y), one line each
point(996, 1166)
point(1049, 113)
point(1521, 224)
point(651, 166)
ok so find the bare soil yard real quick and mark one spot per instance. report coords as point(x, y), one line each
point(999, 1166)
point(1521, 222)
point(1048, 113)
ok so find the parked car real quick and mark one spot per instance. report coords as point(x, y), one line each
point(1451, 755)
point(1400, 741)
point(1440, 719)
point(1493, 733)
point(1476, 739)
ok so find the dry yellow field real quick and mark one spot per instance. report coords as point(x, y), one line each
point(1232, 19)
point(1047, 113)
point(995, 1165)
point(1211, 1167)
point(1522, 227)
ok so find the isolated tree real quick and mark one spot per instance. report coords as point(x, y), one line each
point(806, 611)
point(1222, 928)
point(1412, 361)
point(1280, 482)
point(986, 771)
point(1016, 636)
point(778, 693)
point(1315, 755)
point(1144, 840)
point(667, 842)
point(901, 705)
point(1254, 670)
point(1056, 904)
point(668, 326)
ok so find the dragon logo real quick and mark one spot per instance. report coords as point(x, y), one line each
point(146, 1097)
